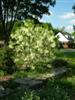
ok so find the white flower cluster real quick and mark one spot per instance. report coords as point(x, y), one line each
point(32, 44)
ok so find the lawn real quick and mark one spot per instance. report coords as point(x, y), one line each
point(67, 55)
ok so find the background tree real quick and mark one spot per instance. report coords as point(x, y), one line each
point(62, 29)
point(74, 28)
point(73, 7)
point(56, 30)
point(73, 33)
point(13, 10)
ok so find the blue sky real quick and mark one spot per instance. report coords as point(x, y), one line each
point(62, 15)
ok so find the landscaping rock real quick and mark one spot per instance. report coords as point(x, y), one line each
point(32, 83)
point(39, 81)
point(28, 82)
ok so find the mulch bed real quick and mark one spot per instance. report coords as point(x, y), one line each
point(6, 78)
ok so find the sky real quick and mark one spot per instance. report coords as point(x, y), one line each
point(61, 15)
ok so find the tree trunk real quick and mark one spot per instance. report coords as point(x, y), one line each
point(5, 34)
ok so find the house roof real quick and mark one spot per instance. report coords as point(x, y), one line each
point(61, 37)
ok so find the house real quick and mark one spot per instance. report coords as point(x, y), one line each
point(64, 39)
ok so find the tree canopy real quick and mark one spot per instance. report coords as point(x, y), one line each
point(12, 10)
point(73, 7)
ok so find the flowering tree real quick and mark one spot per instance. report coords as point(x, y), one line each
point(33, 45)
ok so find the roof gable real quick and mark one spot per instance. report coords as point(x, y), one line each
point(61, 37)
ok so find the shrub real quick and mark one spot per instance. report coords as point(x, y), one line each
point(2, 54)
point(20, 74)
point(59, 63)
point(6, 61)
point(54, 91)
point(32, 44)
point(2, 73)
point(30, 95)
point(43, 67)
point(10, 66)
point(10, 85)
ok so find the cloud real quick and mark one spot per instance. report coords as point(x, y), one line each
point(72, 21)
point(67, 16)
point(51, 12)
point(69, 28)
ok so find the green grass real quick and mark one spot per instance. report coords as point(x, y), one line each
point(31, 74)
point(70, 58)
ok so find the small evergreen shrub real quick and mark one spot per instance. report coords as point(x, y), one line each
point(6, 61)
point(56, 63)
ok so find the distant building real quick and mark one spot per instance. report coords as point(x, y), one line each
point(64, 39)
